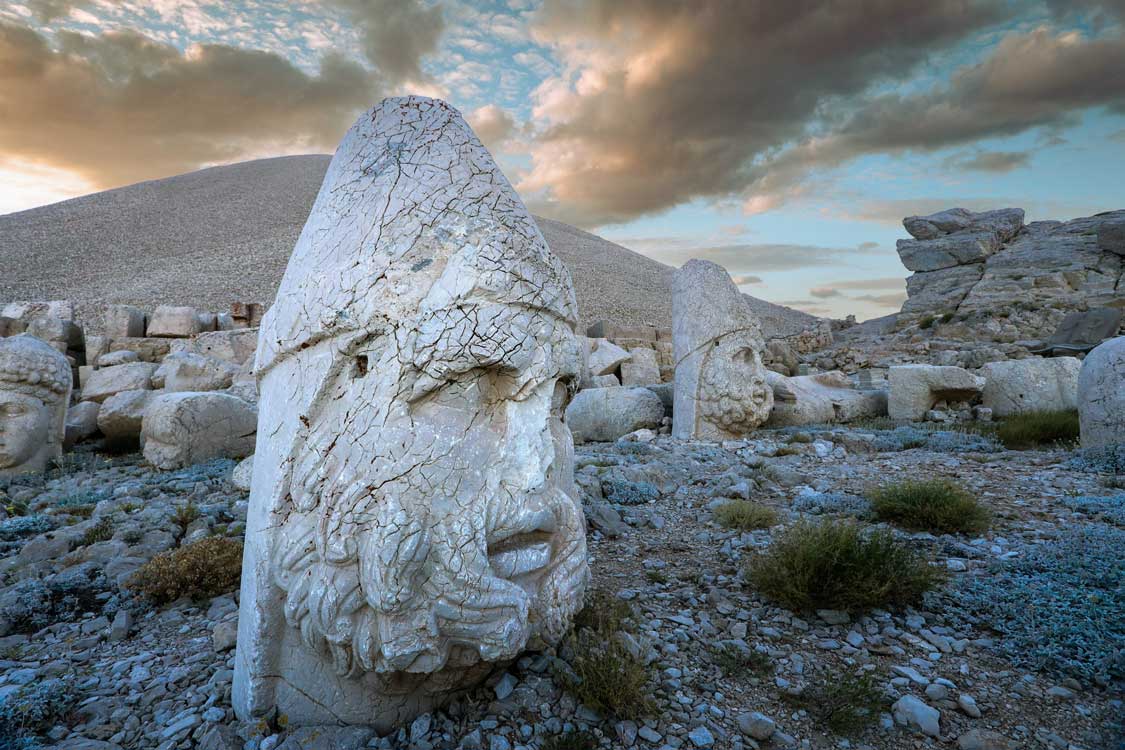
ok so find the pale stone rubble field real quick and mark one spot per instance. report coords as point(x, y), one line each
point(161, 677)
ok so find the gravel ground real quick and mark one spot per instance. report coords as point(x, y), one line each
point(224, 234)
point(140, 676)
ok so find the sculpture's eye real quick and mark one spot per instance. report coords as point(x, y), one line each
point(11, 410)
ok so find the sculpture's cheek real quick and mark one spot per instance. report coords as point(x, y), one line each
point(23, 428)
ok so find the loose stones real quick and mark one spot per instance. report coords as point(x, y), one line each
point(413, 515)
point(35, 383)
point(720, 389)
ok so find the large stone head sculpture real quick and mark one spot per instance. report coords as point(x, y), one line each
point(721, 390)
point(35, 383)
point(413, 515)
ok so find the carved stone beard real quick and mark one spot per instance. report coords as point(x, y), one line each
point(437, 550)
point(733, 393)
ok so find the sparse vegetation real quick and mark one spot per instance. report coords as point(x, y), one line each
point(744, 515)
point(184, 516)
point(605, 673)
point(1042, 429)
point(736, 661)
point(936, 505)
point(33, 711)
point(102, 531)
point(201, 570)
point(846, 703)
point(571, 741)
point(927, 322)
point(839, 565)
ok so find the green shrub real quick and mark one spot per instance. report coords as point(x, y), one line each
point(201, 570)
point(837, 565)
point(744, 515)
point(1038, 429)
point(571, 741)
point(605, 675)
point(734, 661)
point(608, 677)
point(102, 531)
point(844, 702)
point(936, 505)
point(184, 516)
point(926, 322)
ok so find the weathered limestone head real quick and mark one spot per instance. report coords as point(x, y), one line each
point(35, 383)
point(413, 514)
point(721, 390)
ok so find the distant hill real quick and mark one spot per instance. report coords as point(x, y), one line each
point(224, 234)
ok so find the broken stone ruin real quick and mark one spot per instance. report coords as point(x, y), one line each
point(457, 476)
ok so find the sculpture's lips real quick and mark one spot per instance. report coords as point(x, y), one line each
point(524, 549)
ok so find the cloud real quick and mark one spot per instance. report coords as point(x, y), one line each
point(746, 279)
point(743, 258)
point(824, 292)
point(1118, 136)
point(661, 103)
point(989, 161)
point(397, 35)
point(492, 125)
point(884, 282)
point(46, 11)
point(883, 300)
point(120, 107)
point(1033, 79)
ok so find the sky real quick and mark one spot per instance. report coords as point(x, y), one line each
point(784, 140)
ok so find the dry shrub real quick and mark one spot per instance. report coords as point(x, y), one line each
point(201, 570)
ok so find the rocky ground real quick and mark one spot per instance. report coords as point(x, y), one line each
point(997, 657)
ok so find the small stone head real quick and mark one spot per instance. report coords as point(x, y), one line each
point(35, 382)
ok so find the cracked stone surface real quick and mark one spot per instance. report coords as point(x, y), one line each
point(1101, 395)
point(720, 388)
point(413, 516)
point(35, 383)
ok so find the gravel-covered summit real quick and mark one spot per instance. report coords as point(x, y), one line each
point(224, 234)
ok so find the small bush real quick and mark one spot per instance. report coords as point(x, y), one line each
point(201, 570)
point(926, 322)
point(34, 710)
point(184, 516)
point(743, 515)
point(604, 673)
point(846, 703)
point(21, 527)
point(1038, 429)
point(624, 492)
point(936, 505)
point(736, 660)
point(609, 678)
point(31, 605)
point(571, 741)
point(836, 565)
point(102, 531)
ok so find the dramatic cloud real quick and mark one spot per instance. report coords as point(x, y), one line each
point(1039, 78)
point(397, 34)
point(990, 161)
point(120, 107)
point(664, 102)
point(51, 10)
point(492, 125)
point(746, 279)
point(824, 292)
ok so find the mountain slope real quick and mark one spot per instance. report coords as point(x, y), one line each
point(224, 234)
